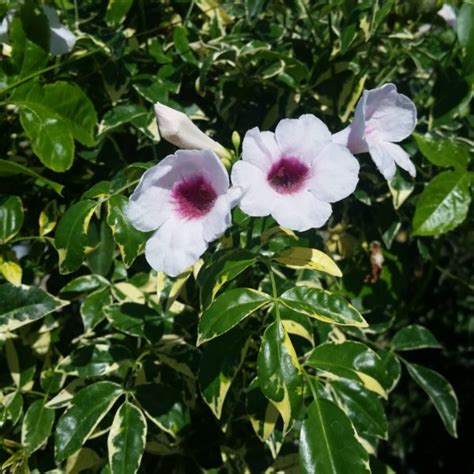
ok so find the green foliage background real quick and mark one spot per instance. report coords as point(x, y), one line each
point(77, 133)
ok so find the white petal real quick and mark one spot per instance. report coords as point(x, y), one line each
point(178, 129)
point(301, 211)
point(390, 114)
point(218, 219)
point(335, 173)
point(5, 25)
point(186, 163)
point(449, 15)
point(401, 157)
point(303, 137)
point(382, 157)
point(62, 40)
point(257, 195)
point(260, 149)
point(175, 246)
point(150, 208)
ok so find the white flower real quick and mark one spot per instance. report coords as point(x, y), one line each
point(186, 200)
point(61, 40)
point(449, 15)
point(178, 129)
point(382, 117)
point(294, 173)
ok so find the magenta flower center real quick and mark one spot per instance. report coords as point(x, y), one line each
point(194, 197)
point(288, 175)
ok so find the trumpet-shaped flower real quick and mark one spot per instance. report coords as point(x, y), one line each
point(295, 173)
point(61, 39)
point(382, 117)
point(185, 199)
point(178, 129)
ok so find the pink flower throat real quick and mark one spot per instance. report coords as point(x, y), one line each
point(288, 175)
point(194, 197)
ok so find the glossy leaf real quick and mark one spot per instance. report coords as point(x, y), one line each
point(71, 235)
point(128, 239)
point(92, 309)
point(443, 204)
point(228, 310)
point(414, 337)
point(328, 442)
point(351, 360)
point(312, 259)
point(323, 305)
point(117, 11)
point(21, 305)
point(95, 360)
point(222, 270)
point(364, 408)
point(77, 423)
point(37, 426)
point(164, 406)
point(440, 392)
point(279, 373)
point(220, 361)
point(126, 440)
point(100, 239)
point(11, 217)
point(135, 320)
point(443, 151)
point(85, 284)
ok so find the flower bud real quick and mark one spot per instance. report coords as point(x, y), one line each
point(178, 129)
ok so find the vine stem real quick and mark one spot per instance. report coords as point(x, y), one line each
point(274, 288)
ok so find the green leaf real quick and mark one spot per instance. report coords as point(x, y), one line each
point(21, 364)
point(350, 360)
point(364, 408)
point(228, 310)
point(312, 259)
point(328, 442)
point(443, 204)
point(443, 151)
point(52, 116)
point(440, 392)
point(92, 309)
point(117, 11)
point(392, 367)
point(253, 8)
point(21, 305)
point(262, 413)
point(37, 425)
point(135, 320)
point(128, 239)
point(220, 361)
point(10, 168)
point(126, 440)
point(88, 408)
point(71, 235)
point(465, 25)
point(84, 284)
point(11, 217)
point(75, 109)
point(414, 337)
point(100, 238)
point(323, 305)
point(223, 269)
point(279, 373)
point(95, 360)
point(181, 43)
point(164, 406)
point(120, 115)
